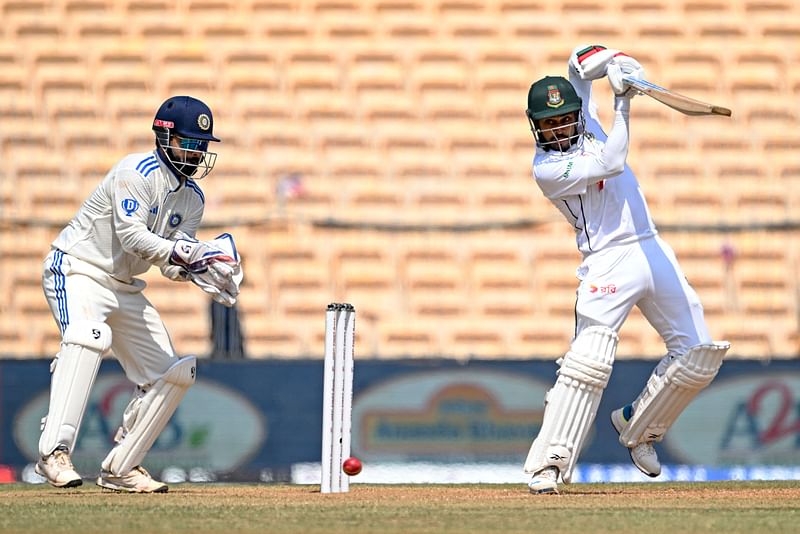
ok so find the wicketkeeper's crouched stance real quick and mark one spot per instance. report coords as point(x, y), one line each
point(625, 263)
point(145, 212)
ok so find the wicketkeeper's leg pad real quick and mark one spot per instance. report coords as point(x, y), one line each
point(147, 415)
point(668, 393)
point(571, 404)
point(74, 371)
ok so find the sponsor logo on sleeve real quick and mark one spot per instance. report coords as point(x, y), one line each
point(569, 170)
point(175, 219)
point(129, 205)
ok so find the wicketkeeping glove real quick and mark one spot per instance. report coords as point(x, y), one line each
point(224, 292)
point(221, 279)
point(196, 256)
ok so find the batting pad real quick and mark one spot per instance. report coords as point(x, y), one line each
point(571, 404)
point(74, 371)
point(147, 415)
point(666, 396)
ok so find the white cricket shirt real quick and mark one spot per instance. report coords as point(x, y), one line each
point(605, 207)
point(126, 224)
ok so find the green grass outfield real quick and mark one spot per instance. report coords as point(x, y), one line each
point(729, 507)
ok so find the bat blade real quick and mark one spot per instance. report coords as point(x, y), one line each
point(677, 101)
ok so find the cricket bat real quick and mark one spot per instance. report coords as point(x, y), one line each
point(677, 101)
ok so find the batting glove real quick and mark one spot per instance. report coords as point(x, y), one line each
point(629, 66)
point(590, 61)
point(621, 88)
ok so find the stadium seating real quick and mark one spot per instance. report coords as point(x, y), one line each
point(383, 112)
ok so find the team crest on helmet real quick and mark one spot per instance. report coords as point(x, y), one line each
point(203, 121)
point(554, 99)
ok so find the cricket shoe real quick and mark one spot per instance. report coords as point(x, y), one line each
point(57, 468)
point(643, 455)
point(138, 480)
point(545, 481)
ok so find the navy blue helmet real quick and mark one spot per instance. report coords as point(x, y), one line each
point(184, 125)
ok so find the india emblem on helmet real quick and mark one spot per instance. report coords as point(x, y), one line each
point(203, 121)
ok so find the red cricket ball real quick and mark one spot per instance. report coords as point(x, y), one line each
point(351, 466)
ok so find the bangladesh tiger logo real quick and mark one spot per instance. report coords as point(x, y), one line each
point(554, 99)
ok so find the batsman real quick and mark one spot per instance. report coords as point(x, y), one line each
point(583, 172)
point(145, 212)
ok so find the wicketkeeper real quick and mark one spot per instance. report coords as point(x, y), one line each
point(145, 212)
point(582, 171)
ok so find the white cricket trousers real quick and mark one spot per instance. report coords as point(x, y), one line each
point(76, 290)
point(645, 274)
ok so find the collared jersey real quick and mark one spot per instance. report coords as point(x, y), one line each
point(604, 210)
point(127, 223)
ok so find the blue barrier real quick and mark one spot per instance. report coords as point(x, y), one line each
point(255, 420)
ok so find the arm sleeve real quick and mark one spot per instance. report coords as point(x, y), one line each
point(589, 107)
point(132, 201)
